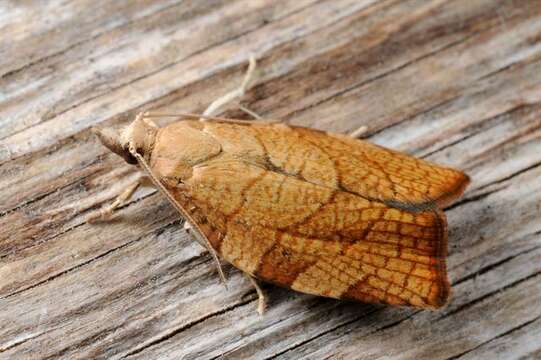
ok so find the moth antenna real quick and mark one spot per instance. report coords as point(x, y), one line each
point(180, 209)
point(215, 118)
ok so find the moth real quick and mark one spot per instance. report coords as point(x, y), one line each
point(317, 212)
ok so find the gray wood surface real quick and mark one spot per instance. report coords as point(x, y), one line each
point(457, 82)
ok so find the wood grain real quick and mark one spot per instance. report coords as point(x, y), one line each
point(454, 82)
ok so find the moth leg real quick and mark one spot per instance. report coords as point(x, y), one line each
point(262, 298)
point(187, 227)
point(358, 132)
point(106, 211)
point(226, 99)
point(250, 112)
point(222, 101)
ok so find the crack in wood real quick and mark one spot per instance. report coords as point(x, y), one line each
point(496, 264)
point(73, 227)
point(83, 41)
point(186, 266)
point(510, 331)
point(55, 190)
point(486, 296)
point(87, 262)
point(381, 76)
point(306, 341)
point(436, 106)
point(511, 176)
point(479, 196)
point(333, 329)
point(187, 326)
point(480, 127)
point(67, 271)
point(394, 70)
point(8, 346)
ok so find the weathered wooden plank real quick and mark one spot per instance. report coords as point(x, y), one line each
point(519, 342)
point(456, 82)
point(143, 85)
point(35, 31)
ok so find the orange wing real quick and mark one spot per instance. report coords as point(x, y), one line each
point(316, 213)
point(363, 168)
point(320, 241)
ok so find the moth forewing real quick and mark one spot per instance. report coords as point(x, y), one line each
point(311, 211)
point(320, 213)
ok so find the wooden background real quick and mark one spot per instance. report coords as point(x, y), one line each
point(457, 82)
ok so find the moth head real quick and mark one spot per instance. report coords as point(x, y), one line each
point(139, 136)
